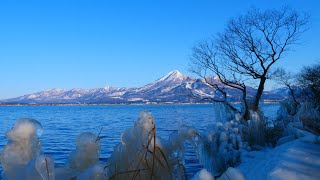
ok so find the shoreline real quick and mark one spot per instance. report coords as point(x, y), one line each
point(125, 104)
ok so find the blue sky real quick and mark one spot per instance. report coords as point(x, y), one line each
point(89, 44)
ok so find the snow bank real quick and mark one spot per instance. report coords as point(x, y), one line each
point(203, 174)
point(297, 154)
point(296, 119)
point(297, 159)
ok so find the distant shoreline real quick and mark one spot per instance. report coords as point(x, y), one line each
point(124, 104)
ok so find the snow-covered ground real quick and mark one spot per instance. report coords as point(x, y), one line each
point(298, 159)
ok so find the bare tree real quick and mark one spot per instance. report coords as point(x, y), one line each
point(310, 82)
point(287, 79)
point(204, 61)
point(251, 44)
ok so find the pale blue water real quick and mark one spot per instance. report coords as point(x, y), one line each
point(63, 123)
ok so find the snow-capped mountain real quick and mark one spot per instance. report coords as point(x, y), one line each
point(173, 87)
point(165, 83)
point(161, 89)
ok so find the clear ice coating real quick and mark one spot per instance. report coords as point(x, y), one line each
point(21, 154)
point(87, 152)
point(142, 155)
point(84, 160)
point(45, 167)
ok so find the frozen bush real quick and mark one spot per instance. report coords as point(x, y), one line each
point(87, 152)
point(138, 155)
point(41, 168)
point(83, 161)
point(95, 172)
point(22, 147)
point(221, 146)
point(142, 155)
point(288, 109)
point(309, 82)
point(177, 139)
point(223, 112)
point(273, 134)
point(309, 115)
point(255, 132)
point(276, 130)
point(45, 167)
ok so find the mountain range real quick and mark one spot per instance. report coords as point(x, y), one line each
point(172, 88)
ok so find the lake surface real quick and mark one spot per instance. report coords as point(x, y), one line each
point(63, 123)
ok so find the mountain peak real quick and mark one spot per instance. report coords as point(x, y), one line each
point(173, 78)
point(108, 88)
point(174, 74)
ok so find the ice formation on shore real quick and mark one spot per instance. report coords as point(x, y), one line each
point(134, 156)
point(222, 146)
point(296, 155)
point(84, 160)
point(87, 152)
point(94, 172)
point(140, 153)
point(21, 157)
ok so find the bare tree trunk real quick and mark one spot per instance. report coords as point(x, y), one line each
point(259, 93)
point(292, 94)
point(246, 115)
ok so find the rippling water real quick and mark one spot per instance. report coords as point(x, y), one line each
point(63, 123)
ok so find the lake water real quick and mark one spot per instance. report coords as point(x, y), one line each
point(63, 123)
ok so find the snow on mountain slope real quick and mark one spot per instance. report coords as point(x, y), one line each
point(166, 83)
point(173, 87)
